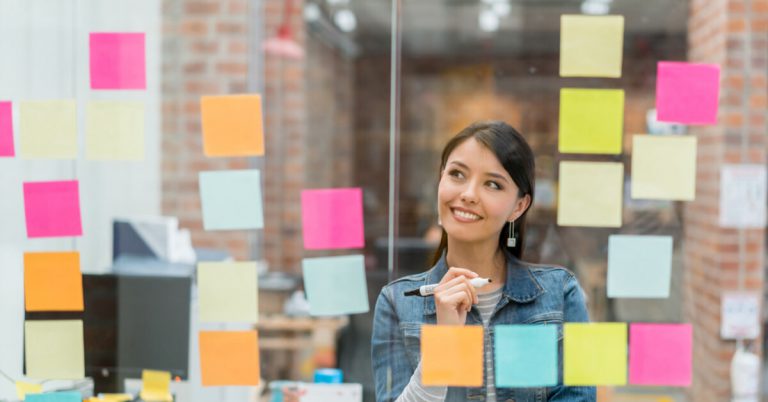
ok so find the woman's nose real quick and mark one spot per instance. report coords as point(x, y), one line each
point(469, 194)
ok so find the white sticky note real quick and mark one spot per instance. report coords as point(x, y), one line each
point(639, 266)
point(743, 196)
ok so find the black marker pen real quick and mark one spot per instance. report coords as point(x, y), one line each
point(428, 290)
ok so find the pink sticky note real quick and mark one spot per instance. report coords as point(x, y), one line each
point(52, 209)
point(6, 130)
point(332, 218)
point(660, 354)
point(687, 93)
point(117, 61)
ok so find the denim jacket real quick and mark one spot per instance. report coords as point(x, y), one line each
point(533, 294)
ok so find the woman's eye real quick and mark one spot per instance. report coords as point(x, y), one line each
point(456, 173)
point(494, 185)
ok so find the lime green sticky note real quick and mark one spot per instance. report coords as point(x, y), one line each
point(664, 167)
point(228, 291)
point(54, 349)
point(115, 130)
point(591, 121)
point(591, 46)
point(48, 129)
point(594, 354)
point(25, 388)
point(590, 194)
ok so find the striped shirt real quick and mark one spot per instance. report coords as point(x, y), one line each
point(415, 392)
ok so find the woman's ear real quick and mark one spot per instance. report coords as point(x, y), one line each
point(521, 205)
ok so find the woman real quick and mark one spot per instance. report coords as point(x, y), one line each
point(485, 190)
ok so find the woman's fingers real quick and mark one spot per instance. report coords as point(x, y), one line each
point(459, 286)
point(454, 272)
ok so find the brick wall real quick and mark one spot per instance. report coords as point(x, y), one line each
point(718, 32)
point(206, 47)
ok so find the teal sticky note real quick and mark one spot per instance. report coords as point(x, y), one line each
point(525, 355)
point(335, 285)
point(231, 200)
point(54, 397)
point(639, 266)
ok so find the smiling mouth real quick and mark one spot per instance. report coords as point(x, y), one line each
point(465, 216)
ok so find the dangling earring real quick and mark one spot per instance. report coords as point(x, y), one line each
point(511, 240)
point(439, 221)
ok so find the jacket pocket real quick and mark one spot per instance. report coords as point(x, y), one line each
point(412, 339)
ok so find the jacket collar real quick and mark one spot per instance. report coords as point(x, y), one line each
point(521, 286)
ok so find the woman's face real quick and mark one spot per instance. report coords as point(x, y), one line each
point(476, 196)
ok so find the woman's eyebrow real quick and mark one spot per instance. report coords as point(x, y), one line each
point(492, 174)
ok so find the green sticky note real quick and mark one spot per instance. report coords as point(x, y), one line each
point(228, 291)
point(591, 121)
point(590, 194)
point(115, 130)
point(526, 355)
point(594, 354)
point(664, 167)
point(335, 285)
point(231, 200)
point(48, 129)
point(54, 349)
point(591, 46)
point(639, 266)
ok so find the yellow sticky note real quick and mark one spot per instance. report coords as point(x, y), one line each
point(591, 121)
point(232, 125)
point(228, 292)
point(590, 194)
point(54, 349)
point(156, 386)
point(48, 129)
point(115, 130)
point(463, 366)
point(595, 354)
point(115, 397)
point(24, 388)
point(664, 167)
point(591, 46)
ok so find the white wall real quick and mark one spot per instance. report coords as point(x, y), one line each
point(44, 55)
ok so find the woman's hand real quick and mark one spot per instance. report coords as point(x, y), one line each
point(455, 296)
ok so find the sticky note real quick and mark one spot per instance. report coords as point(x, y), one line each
point(335, 285)
point(595, 354)
point(156, 385)
point(53, 282)
point(115, 130)
point(332, 218)
point(48, 129)
point(69, 396)
point(231, 200)
point(232, 125)
point(228, 291)
point(591, 121)
point(664, 167)
point(743, 196)
point(591, 46)
point(52, 208)
point(229, 358)
point(26, 388)
point(463, 366)
point(590, 194)
point(525, 355)
point(687, 93)
point(113, 398)
point(117, 60)
point(6, 130)
point(54, 349)
point(660, 354)
point(639, 266)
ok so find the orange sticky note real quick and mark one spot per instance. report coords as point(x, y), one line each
point(232, 125)
point(229, 358)
point(463, 366)
point(53, 282)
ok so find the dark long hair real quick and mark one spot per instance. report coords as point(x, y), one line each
point(514, 153)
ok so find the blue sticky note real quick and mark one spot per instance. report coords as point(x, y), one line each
point(525, 355)
point(231, 200)
point(55, 397)
point(335, 285)
point(639, 266)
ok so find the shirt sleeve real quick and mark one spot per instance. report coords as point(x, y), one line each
point(575, 310)
point(415, 392)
